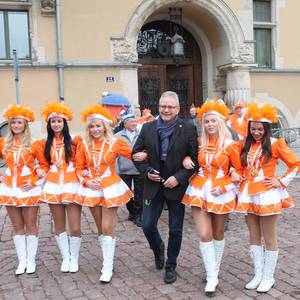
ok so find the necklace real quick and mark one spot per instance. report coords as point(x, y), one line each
point(58, 152)
point(253, 162)
point(97, 157)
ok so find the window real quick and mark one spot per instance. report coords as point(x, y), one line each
point(14, 34)
point(262, 11)
point(263, 27)
point(263, 47)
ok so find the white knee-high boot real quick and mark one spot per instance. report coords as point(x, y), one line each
point(268, 280)
point(75, 243)
point(63, 245)
point(108, 252)
point(100, 237)
point(20, 244)
point(219, 248)
point(32, 245)
point(208, 253)
point(257, 255)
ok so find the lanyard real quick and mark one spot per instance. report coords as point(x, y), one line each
point(58, 152)
point(253, 162)
point(17, 155)
point(97, 158)
point(210, 153)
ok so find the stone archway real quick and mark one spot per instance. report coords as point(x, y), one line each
point(237, 53)
point(238, 50)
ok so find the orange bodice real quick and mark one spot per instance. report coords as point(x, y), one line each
point(20, 163)
point(99, 159)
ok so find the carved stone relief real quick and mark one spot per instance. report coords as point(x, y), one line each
point(48, 7)
point(124, 51)
point(244, 54)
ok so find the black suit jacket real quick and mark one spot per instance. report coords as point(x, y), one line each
point(183, 143)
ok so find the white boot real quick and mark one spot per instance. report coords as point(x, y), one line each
point(75, 243)
point(20, 244)
point(219, 248)
point(63, 245)
point(257, 255)
point(32, 245)
point(108, 252)
point(100, 237)
point(210, 263)
point(268, 271)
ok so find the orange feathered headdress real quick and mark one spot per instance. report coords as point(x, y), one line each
point(18, 111)
point(57, 110)
point(261, 112)
point(214, 106)
point(239, 105)
point(146, 113)
point(97, 111)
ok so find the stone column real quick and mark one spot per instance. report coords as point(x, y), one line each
point(238, 85)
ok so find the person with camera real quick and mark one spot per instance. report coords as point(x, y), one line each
point(167, 141)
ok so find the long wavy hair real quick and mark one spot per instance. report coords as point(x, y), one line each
point(67, 141)
point(223, 132)
point(108, 132)
point(26, 140)
point(265, 143)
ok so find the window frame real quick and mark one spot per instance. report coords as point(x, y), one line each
point(7, 32)
point(271, 25)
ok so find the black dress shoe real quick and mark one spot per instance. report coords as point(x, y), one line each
point(170, 275)
point(160, 258)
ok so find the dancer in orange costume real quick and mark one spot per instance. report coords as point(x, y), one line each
point(101, 188)
point(262, 195)
point(20, 187)
point(145, 118)
point(211, 193)
point(61, 182)
point(238, 121)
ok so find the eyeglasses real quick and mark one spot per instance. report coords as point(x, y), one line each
point(169, 107)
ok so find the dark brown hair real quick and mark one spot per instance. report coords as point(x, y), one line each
point(265, 143)
point(67, 142)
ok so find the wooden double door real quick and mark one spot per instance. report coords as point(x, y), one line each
point(183, 79)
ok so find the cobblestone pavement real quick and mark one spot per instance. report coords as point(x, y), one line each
point(135, 276)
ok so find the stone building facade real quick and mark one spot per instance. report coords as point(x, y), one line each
point(75, 49)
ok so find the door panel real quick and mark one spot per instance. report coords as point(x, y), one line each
point(180, 80)
point(185, 80)
point(151, 86)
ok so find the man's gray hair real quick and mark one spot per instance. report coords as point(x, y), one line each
point(170, 94)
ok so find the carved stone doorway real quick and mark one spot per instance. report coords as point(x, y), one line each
point(160, 72)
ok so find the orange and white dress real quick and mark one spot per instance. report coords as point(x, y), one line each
point(61, 181)
point(19, 170)
point(213, 172)
point(97, 161)
point(239, 125)
point(254, 197)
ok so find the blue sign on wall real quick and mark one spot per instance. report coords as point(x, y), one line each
point(110, 79)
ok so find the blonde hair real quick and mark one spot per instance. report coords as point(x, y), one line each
point(108, 132)
point(26, 140)
point(223, 131)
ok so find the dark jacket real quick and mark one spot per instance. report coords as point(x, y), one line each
point(183, 143)
point(194, 121)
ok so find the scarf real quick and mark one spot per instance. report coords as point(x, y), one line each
point(165, 131)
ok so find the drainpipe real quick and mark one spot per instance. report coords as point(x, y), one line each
point(60, 66)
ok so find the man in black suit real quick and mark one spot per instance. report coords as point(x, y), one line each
point(167, 141)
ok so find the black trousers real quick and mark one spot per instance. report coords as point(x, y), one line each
point(135, 205)
point(151, 213)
